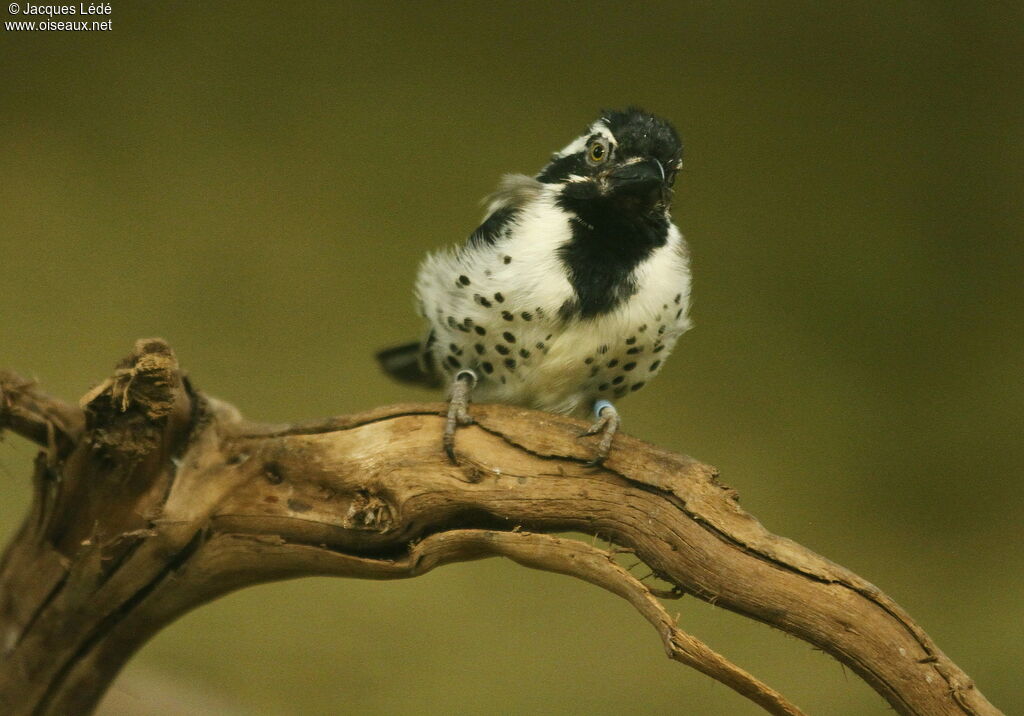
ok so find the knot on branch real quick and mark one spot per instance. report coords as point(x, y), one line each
point(368, 512)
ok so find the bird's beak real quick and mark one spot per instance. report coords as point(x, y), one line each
point(639, 183)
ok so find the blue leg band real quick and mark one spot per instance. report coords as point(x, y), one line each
point(601, 405)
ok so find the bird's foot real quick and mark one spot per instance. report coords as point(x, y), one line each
point(607, 424)
point(458, 413)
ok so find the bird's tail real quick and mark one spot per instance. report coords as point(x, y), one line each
point(409, 363)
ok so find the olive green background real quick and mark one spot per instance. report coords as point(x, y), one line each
point(257, 181)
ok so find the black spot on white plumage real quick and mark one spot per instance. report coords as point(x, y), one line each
point(527, 316)
point(631, 340)
point(509, 337)
point(481, 300)
point(480, 330)
point(488, 367)
point(463, 280)
point(636, 386)
point(636, 349)
point(507, 315)
point(613, 362)
point(629, 366)
point(511, 363)
point(655, 365)
point(499, 297)
point(508, 259)
point(524, 353)
point(479, 348)
point(502, 349)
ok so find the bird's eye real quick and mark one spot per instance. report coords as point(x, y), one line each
point(598, 151)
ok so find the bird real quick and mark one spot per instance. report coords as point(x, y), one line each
point(571, 293)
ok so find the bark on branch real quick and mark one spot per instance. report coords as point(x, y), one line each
point(151, 499)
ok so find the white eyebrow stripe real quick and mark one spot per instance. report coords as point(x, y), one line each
point(599, 127)
point(579, 144)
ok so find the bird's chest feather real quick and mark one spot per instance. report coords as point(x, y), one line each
point(512, 311)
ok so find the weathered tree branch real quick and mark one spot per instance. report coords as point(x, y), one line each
point(151, 499)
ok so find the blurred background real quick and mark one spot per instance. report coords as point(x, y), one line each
point(256, 182)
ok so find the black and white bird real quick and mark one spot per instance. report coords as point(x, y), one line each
point(573, 290)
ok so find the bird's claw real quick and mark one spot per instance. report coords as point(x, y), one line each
point(458, 416)
point(607, 425)
point(458, 413)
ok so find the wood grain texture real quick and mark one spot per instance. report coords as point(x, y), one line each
point(152, 499)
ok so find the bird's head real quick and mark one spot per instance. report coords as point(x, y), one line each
point(624, 164)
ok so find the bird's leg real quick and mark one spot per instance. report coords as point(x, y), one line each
point(607, 423)
point(458, 402)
